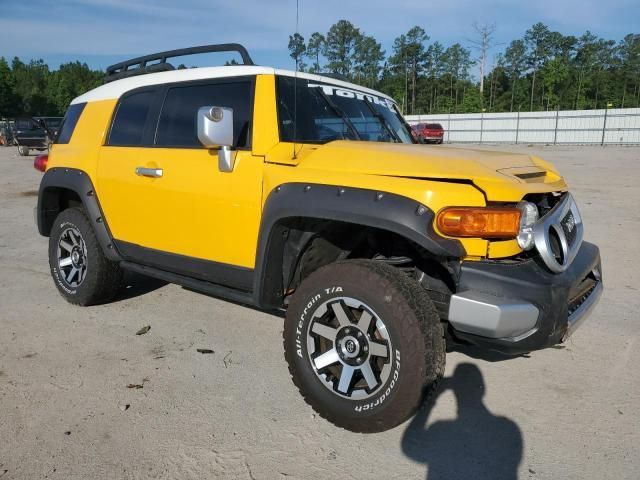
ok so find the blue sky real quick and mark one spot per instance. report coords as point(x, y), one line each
point(101, 32)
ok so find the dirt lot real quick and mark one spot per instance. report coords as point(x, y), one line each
point(66, 411)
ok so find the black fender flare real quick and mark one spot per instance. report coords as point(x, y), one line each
point(77, 181)
point(395, 213)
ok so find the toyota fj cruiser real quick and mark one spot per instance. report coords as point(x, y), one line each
point(308, 195)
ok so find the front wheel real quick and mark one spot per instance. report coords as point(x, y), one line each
point(83, 275)
point(364, 344)
point(23, 151)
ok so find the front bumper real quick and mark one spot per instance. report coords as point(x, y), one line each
point(517, 307)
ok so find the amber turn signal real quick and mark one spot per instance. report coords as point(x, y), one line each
point(480, 222)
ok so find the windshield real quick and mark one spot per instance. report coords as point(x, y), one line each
point(326, 112)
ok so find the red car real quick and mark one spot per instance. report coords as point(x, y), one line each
point(429, 132)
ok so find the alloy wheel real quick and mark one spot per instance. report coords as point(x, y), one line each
point(349, 348)
point(72, 257)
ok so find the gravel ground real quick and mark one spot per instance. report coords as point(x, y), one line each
point(66, 411)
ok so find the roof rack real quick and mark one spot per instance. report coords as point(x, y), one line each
point(159, 60)
point(335, 76)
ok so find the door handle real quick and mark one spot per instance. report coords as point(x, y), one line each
point(149, 172)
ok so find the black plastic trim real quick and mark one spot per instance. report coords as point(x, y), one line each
point(239, 278)
point(192, 283)
point(530, 281)
point(79, 182)
point(123, 70)
point(406, 217)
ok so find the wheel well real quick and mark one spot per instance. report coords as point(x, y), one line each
point(299, 246)
point(53, 201)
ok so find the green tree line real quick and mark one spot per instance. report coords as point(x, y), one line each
point(543, 70)
point(33, 89)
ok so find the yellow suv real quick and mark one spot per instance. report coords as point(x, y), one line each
point(308, 195)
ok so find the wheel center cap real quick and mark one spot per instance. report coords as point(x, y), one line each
point(75, 257)
point(350, 347)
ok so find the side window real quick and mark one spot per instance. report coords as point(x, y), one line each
point(69, 123)
point(128, 124)
point(177, 124)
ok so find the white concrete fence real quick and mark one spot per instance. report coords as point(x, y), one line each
point(614, 126)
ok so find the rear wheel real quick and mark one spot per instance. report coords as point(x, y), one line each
point(364, 344)
point(23, 151)
point(83, 275)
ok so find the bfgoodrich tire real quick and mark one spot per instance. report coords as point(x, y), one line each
point(364, 344)
point(80, 271)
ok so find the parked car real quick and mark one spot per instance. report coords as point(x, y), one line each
point(307, 195)
point(28, 134)
point(429, 132)
point(35, 133)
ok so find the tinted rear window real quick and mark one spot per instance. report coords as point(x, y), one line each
point(178, 121)
point(129, 122)
point(69, 123)
point(433, 126)
point(25, 124)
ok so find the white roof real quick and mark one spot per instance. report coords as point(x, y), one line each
point(116, 89)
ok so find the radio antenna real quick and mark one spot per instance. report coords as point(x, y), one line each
point(295, 86)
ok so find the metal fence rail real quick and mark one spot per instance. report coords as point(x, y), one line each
point(617, 126)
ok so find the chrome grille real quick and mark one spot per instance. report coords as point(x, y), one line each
point(558, 235)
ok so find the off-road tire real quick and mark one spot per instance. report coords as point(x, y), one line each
point(103, 277)
point(415, 332)
point(23, 151)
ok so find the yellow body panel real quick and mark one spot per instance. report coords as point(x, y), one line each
point(88, 137)
point(485, 169)
point(504, 248)
point(265, 115)
point(427, 192)
point(193, 209)
point(197, 211)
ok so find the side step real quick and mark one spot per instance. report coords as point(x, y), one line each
point(191, 283)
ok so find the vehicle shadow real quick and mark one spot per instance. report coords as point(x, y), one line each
point(136, 285)
point(477, 444)
point(483, 353)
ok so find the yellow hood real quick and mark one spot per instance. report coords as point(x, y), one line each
point(501, 176)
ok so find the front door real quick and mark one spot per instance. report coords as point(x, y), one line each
point(166, 201)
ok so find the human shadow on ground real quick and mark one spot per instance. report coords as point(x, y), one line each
point(477, 444)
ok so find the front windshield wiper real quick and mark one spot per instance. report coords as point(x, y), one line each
point(383, 121)
point(407, 127)
point(338, 112)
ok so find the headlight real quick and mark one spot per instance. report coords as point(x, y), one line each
point(528, 219)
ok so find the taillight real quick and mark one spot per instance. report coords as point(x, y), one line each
point(40, 162)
